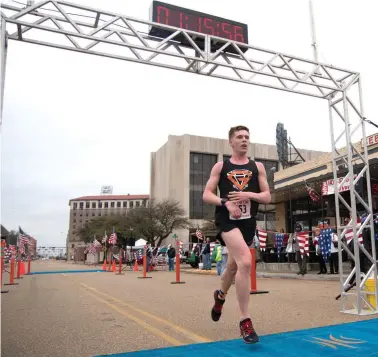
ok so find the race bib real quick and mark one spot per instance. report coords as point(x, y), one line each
point(245, 209)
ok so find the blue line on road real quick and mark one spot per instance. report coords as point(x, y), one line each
point(66, 272)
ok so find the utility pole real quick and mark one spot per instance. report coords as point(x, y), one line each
point(313, 33)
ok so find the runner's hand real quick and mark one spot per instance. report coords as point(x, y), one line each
point(238, 196)
point(233, 209)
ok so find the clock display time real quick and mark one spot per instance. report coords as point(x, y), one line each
point(171, 15)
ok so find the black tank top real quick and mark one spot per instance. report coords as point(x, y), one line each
point(238, 178)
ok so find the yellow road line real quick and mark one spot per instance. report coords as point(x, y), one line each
point(184, 331)
point(140, 322)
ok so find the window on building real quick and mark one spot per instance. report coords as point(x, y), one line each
point(137, 203)
point(93, 204)
point(226, 157)
point(144, 203)
point(131, 204)
point(93, 214)
point(87, 214)
point(106, 204)
point(81, 205)
point(118, 204)
point(112, 204)
point(75, 205)
point(99, 214)
point(87, 204)
point(74, 226)
point(200, 168)
point(100, 204)
point(74, 214)
point(269, 164)
point(81, 220)
point(81, 215)
point(124, 204)
point(74, 220)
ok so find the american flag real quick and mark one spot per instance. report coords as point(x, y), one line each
point(113, 238)
point(325, 240)
point(349, 232)
point(312, 193)
point(279, 237)
point(262, 235)
point(24, 239)
point(199, 234)
point(303, 243)
point(96, 243)
point(7, 253)
point(92, 249)
point(138, 254)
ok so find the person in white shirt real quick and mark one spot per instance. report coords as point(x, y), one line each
point(334, 258)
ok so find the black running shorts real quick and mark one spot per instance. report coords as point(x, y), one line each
point(247, 228)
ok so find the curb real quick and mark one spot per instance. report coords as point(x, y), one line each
point(266, 275)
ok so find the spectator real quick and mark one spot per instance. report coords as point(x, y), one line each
point(302, 261)
point(334, 258)
point(218, 257)
point(224, 258)
point(206, 255)
point(148, 256)
point(171, 257)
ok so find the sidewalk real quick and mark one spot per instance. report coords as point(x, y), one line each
point(275, 275)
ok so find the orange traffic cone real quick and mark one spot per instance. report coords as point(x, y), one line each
point(22, 268)
point(136, 266)
point(113, 266)
point(104, 265)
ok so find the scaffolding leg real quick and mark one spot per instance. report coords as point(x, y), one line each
point(350, 154)
point(3, 59)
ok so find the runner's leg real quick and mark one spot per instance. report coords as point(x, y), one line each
point(228, 274)
point(240, 253)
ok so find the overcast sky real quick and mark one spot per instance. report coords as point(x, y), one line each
point(74, 122)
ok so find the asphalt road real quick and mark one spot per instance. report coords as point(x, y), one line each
point(89, 314)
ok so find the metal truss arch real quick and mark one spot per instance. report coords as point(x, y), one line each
point(82, 29)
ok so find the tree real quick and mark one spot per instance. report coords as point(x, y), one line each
point(12, 237)
point(208, 226)
point(97, 226)
point(157, 221)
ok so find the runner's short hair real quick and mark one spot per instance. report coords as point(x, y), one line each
point(234, 129)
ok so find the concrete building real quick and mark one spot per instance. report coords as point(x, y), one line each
point(292, 200)
point(83, 209)
point(181, 168)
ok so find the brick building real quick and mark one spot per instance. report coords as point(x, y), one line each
point(83, 209)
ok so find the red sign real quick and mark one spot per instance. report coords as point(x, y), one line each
point(372, 139)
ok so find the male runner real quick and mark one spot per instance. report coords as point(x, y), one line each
point(243, 185)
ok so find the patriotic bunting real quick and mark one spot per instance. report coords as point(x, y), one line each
point(303, 243)
point(262, 235)
point(325, 240)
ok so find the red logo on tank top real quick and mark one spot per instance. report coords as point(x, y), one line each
point(239, 178)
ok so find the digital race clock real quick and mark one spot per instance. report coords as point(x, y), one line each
point(176, 16)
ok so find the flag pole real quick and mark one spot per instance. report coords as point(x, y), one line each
point(105, 249)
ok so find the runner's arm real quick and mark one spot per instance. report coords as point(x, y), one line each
point(264, 195)
point(211, 186)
